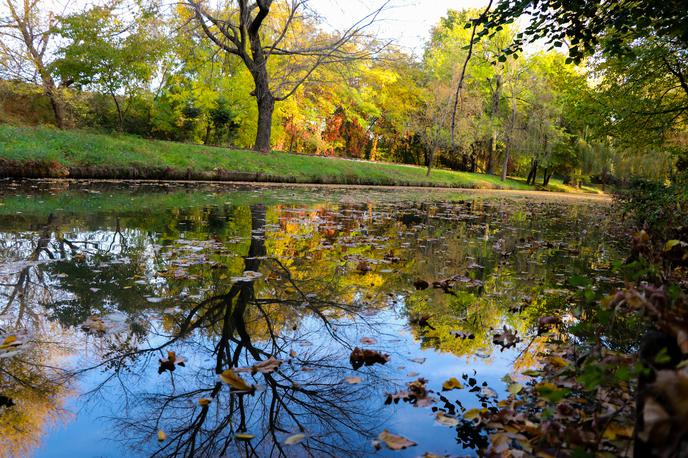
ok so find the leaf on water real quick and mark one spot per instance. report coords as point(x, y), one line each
point(452, 384)
point(394, 442)
point(360, 357)
point(171, 363)
point(294, 439)
point(507, 338)
point(531, 373)
point(248, 276)
point(515, 388)
point(352, 380)
point(488, 392)
point(418, 360)
point(11, 345)
point(233, 380)
point(244, 436)
point(473, 414)
point(446, 420)
point(161, 435)
point(368, 341)
point(204, 402)
point(264, 367)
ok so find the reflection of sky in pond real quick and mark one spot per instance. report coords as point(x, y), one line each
point(331, 273)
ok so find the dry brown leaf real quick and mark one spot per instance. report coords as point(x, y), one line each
point(395, 442)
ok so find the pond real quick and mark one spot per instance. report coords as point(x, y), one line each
point(342, 313)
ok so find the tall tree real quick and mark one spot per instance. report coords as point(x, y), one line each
point(256, 32)
point(107, 53)
point(25, 33)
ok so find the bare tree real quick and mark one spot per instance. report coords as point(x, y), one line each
point(24, 39)
point(246, 29)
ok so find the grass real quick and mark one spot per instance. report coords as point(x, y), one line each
point(77, 149)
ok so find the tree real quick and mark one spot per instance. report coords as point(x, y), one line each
point(108, 54)
point(25, 36)
point(585, 26)
point(256, 32)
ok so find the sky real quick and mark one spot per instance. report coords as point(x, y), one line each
point(408, 22)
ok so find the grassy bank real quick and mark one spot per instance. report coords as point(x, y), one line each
point(39, 152)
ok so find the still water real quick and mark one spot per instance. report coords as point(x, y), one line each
point(121, 305)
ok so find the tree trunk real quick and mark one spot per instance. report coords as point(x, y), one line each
point(533, 172)
point(492, 155)
point(56, 105)
point(266, 105)
point(512, 123)
point(120, 117)
point(431, 159)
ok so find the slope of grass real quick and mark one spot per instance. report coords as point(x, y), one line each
point(108, 155)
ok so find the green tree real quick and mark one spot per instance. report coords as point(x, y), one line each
point(109, 54)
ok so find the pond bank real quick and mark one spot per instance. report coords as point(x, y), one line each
point(40, 152)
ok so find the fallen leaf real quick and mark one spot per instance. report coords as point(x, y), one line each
point(204, 402)
point(446, 420)
point(418, 360)
point(161, 435)
point(264, 367)
point(295, 439)
point(244, 436)
point(359, 357)
point(352, 380)
point(395, 442)
point(452, 384)
point(515, 388)
point(368, 341)
point(235, 381)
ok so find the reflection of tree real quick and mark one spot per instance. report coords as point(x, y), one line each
point(32, 388)
point(306, 394)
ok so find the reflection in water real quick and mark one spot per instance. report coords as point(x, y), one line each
point(98, 298)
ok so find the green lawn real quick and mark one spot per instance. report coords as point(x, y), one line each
point(110, 154)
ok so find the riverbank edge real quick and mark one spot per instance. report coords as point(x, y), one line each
point(48, 170)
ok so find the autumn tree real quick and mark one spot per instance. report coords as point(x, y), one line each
point(25, 37)
point(262, 31)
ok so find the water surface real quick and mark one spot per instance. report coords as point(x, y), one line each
point(100, 281)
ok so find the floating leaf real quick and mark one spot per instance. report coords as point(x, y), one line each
point(244, 436)
point(446, 420)
point(264, 367)
point(294, 439)
point(452, 384)
point(359, 357)
point(368, 341)
point(515, 388)
point(395, 442)
point(171, 362)
point(161, 435)
point(233, 380)
point(488, 392)
point(352, 380)
point(473, 414)
point(204, 402)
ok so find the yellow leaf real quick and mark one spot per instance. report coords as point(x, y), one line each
point(515, 388)
point(670, 244)
point(558, 361)
point(204, 401)
point(472, 414)
point(452, 384)
point(615, 430)
point(161, 435)
point(395, 442)
point(8, 340)
point(244, 436)
point(295, 439)
point(233, 380)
